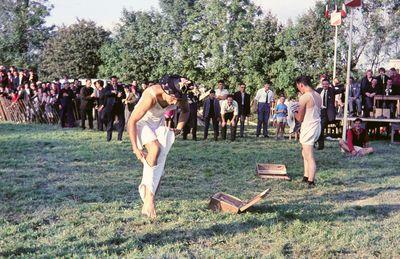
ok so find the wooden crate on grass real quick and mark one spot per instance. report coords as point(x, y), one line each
point(229, 203)
point(272, 171)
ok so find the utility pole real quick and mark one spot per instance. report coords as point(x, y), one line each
point(352, 4)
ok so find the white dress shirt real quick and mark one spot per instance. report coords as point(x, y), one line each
point(261, 96)
point(219, 93)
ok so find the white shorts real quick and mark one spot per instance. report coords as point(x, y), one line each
point(281, 119)
point(310, 136)
point(145, 135)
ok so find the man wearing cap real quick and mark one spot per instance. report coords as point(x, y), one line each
point(357, 140)
point(147, 130)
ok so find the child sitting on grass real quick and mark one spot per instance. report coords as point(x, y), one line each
point(281, 114)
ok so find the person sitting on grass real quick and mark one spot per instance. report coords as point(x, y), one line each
point(281, 114)
point(357, 140)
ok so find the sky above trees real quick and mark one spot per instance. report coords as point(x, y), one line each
point(108, 14)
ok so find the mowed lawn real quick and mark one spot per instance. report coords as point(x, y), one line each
point(70, 193)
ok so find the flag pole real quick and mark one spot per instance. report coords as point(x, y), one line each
point(335, 53)
point(349, 58)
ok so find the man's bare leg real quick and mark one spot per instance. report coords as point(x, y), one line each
point(305, 163)
point(282, 130)
point(153, 150)
point(344, 145)
point(311, 165)
point(366, 151)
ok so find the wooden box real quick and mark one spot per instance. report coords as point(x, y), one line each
point(272, 171)
point(379, 112)
point(228, 203)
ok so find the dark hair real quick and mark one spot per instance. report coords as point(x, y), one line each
point(221, 81)
point(325, 79)
point(113, 77)
point(229, 96)
point(393, 69)
point(358, 119)
point(381, 69)
point(241, 83)
point(305, 80)
point(171, 86)
point(100, 82)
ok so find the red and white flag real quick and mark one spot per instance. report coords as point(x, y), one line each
point(327, 15)
point(343, 11)
point(353, 3)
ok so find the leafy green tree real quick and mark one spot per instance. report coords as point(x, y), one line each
point(134, 53)
point(23, 31)
point(203, 40)
point(74, 51)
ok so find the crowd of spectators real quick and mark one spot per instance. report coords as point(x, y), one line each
point(67, 101)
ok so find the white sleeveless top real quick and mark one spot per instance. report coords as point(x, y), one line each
point(313, 114)
point(154, 117)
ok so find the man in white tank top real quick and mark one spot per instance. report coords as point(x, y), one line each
point(147, 130)
point(309, 114)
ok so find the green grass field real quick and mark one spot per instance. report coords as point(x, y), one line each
point(68, 193)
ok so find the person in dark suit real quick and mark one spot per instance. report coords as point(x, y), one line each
point(328, 110)
point(15, 79)
point(114, 107)
point(22, 79)
point(87, 102)
point(354, 98)
point(100, 104)
point(191, 124)
point(211, 111)
point(382, 78)
point(370, 93)
point(65, 97)
point(365, 84)
point(390, 104)
point(243, 100)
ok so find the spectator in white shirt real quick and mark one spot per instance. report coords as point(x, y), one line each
point(229, 112)
point(262, 102)
point(221, 93)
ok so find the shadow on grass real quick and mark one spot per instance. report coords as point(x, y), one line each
point(172, 236)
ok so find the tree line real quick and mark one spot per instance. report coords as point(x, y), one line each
point(205, 40)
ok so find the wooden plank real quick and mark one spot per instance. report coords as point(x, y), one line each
point(225, 203)
point(272, 171)
point(256, 199)
point(229, 203)
point(372, 120)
